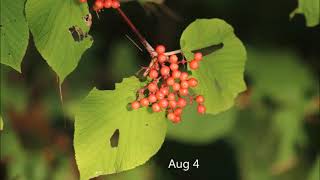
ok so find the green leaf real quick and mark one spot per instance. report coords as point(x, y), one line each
point(285, 79)
point(1, 123)
point(14, 33)
point(221, 72)
point(142, 173)
point(315, 172)
point(284, 83)
point(99, 116)
point(289, 125)
point(49, 22)
point(311, 11)
point(23, 164)
point(11, 149)
point(201, 129)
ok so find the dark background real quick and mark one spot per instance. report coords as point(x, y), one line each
point(262, 24)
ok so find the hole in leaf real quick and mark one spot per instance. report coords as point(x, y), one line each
point(77, 33)
point(114, 140)
point(88, 20)
point(210, 49)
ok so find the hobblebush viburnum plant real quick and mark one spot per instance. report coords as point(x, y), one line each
point(206, 74)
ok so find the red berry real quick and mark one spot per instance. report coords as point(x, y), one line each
point(200, 99)
point(183, 91)
point(176, 86)
point(184, 84)
point(178, 111)
point(171, 97)
point(172, 104)
point(163, 103)
point(98, 4)
point(152, 87)
point(170, 81)
point(152, 98)
point(160, 49)
point(156, 107)
point(115, 4)
point(107, 4)
point(184, 76)
point(164, 90)
point(198, 56)
point(153, 74)
point(82, 1)
point(193, 82)
point(176, 74)
point(177, 119)
point(201, 109)
point(159, 95)
point(144, 102)
point(165, 71)
point(95, 9)
point(171, 116)
point(162, 58)
point(194, 64)
point(174, 66)
point(173, 59)
point(182, 102)
point(135, 105)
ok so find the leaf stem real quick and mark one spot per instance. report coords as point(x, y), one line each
point(173, 52)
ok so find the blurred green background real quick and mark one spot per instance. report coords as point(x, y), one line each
point(273, 132)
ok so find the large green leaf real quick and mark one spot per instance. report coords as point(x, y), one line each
point(49, 22)
point(221, 72)
point(142, 173)
point(14, 33)
point(311, 11)
point(99, 116)
point(201, 129)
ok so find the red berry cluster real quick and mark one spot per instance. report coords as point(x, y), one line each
point(100, 4)
point(169, 87)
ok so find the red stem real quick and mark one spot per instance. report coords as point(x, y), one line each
point(144, 42)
